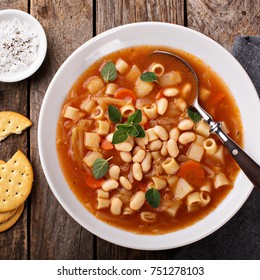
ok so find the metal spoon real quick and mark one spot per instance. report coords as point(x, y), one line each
point(247, 164)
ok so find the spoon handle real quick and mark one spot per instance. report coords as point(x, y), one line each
point(246, 163)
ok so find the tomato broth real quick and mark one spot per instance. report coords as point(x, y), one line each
point(177, 208)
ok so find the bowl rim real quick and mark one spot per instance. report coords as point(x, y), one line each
point(10, 77)
point(107, 235)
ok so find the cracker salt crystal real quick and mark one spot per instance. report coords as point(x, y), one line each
point(12, 220)
point(12, 122)
point(16, 178)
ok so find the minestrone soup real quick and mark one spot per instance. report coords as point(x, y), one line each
point(134, 150)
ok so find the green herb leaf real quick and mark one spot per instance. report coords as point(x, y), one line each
point(109, 72)
point(153, 197)
point(114, 114)
point(124, 126)
point(141, 131)
point(194, 114)
point(100, 167)
point(149, 77)
point(133, 131)
point(135, 118)
point(119, 136)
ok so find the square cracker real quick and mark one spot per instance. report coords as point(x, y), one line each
point(12, 122)
point(16, 178)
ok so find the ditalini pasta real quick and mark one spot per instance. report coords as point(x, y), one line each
point(166, 170)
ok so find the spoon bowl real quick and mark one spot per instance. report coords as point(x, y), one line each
point(246, 163)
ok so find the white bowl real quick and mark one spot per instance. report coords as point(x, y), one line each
point(8, 15)
point(150, 33)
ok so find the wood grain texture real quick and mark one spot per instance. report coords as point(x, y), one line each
point(223, 20)
point(45, 230)
point(53, 233)
point(110, 14)
point(13, 97)
point(123, 12)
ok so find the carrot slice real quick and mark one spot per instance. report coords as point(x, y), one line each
point(107, 146)
point(192, 172)
point(94, 183)
point(126, 94)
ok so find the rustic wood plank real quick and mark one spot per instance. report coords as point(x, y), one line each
point(13, 97)
point(224, 20)
point(123, 12)
point(53, 233)
point(114, 13)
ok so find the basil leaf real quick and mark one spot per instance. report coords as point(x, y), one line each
point(135, 118)
point(119, 136)
point(153, 197)
point(141, 131)
point(133, 131)
point(149, 77)
point(109, 72)
point(114, 114)
point(194, 114)
point(100, 168)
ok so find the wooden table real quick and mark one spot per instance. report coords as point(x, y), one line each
point(45, 230)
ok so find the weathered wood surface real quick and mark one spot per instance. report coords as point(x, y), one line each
point(223, 20)
point(45, 230)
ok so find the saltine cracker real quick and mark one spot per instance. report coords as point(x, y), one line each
point(12, 220)
point(16, 178)
point(12, 122)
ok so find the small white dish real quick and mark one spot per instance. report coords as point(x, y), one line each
point(10, 14)
point(158, 34)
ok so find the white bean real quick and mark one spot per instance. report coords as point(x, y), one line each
point(142, 141)
point(164, 150)
point(186, 89)
point(186, 124)
point(137, 171)
point(109, 185)
point(162, 105)
point(136, 148)
point(139, 156)
point(124, 147)
point(169, 92)
point(156, 155)
point(109, 137)
point(147, 162)
point(151, 134)
point(172, 148)
point(187, 137)
point(116, 206)
point(161, 132)
point(137, 200)
point(155, 145)
point(125, 183)
point(114, 172)
point(181, 104)
point(126, 156)
point(174, 133)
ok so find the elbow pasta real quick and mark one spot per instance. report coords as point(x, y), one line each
point(157, 68)
point(127, 110)
point(150, 111)
point(177, 157)
point(210, 146)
